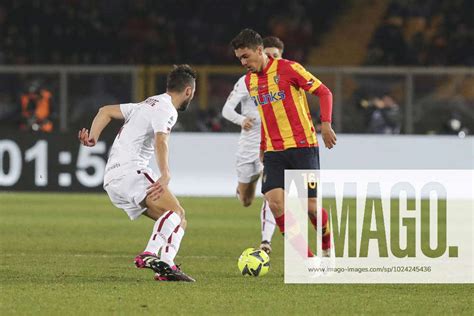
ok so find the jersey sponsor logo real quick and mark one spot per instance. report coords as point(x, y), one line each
point(151, 101)
point(270, 97)
point(114, 166)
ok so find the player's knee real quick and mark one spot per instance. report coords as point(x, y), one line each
point(276, 206)
point(180, 211)
point(184, 223)
point(246, 201)
point(312, 206)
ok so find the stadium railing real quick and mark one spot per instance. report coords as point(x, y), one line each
point(427, 96)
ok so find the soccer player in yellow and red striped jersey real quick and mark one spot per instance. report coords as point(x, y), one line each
point(288, 136)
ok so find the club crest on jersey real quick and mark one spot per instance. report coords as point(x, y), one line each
point(269, 97)
point(276, 79)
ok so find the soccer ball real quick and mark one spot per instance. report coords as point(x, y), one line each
point(254, 262)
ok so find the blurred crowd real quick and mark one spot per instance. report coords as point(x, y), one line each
point(152, 32)
point(430, 32)
point(141, 32)
point(382, 115)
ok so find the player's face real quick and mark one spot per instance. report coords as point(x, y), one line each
point(252, 59)
point(273, 52)
point(189, 95)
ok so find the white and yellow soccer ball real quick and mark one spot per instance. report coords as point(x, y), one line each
point(254, 262)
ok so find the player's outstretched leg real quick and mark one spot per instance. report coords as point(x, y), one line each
point(275, 198)
point(169, 217)
point(246, 190)
point(169, 251)
point(163, 228)
point(268, 227)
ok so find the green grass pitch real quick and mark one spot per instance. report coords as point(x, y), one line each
point(73, 254)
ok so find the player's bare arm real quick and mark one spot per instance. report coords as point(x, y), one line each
point(101, 120)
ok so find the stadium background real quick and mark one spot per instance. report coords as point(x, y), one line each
point(408, 60)
point(415, 54)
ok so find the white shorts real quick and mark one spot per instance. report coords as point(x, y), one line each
point(129, 191)
point(248, 170)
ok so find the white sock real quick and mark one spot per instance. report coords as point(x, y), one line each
point(169, 251)
point(268, 222)
point(162, 230)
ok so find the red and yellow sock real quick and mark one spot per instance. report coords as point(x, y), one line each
point(297, 241)
point(326, 240)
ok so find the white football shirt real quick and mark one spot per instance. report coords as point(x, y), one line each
point(249, 142)
point(135, 142)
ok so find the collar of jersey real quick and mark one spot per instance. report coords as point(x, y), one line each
point(167, 95)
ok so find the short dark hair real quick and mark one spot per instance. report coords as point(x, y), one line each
point(247, 38)
point(180, 77)
point(273, 41)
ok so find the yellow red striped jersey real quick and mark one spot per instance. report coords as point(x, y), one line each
point(279, 93)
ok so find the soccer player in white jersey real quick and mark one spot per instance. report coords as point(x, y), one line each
point(129, 181)
point(248, 162)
